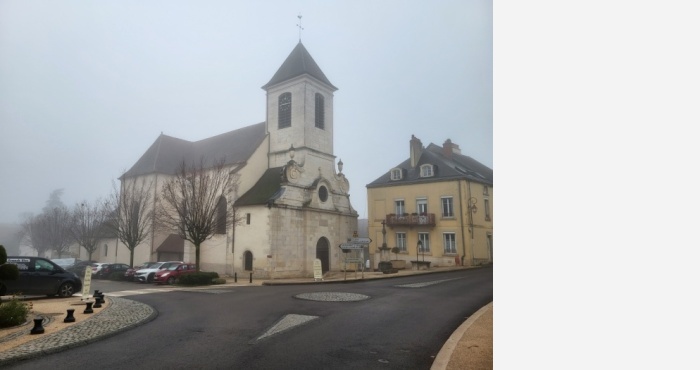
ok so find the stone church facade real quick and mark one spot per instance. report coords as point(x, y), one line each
point(292, 203)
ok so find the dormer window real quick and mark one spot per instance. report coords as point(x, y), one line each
point(396, 174)
point(426, 170)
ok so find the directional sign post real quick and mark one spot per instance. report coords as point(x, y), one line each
point(361, 240)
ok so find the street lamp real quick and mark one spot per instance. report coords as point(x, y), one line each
point(418, 248)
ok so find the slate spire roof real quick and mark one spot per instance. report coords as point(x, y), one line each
point(167, 153)
point(298, 62)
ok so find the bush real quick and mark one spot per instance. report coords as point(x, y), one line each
point(198, 278)
point(218, 281)
point(13, 313)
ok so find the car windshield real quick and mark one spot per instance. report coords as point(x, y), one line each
point(173, 267)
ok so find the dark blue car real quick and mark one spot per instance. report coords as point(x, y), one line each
point(40, 276)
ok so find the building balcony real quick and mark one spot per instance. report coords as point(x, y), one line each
point(425, 219)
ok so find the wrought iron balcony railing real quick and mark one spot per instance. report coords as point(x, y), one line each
point(424, 219)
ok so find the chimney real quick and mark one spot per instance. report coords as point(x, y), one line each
point(448, 148)
point(416, 150)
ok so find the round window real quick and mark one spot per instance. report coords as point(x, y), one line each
point(323, 193)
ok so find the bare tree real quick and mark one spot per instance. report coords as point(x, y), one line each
point(55, 228)
point(90, 224)
point(31, 228)
point(133, 218)
point(190, 203)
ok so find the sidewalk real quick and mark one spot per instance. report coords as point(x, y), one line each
point(469, 347)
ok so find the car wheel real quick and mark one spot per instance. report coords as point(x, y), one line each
point(171, 280)
point(150, 277)
point(66, 290)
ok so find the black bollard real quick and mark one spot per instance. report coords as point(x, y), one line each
point(88, 307)
point(102, 297)
point(235, 277)
point(251, 278)
point(38, 328)
point(97, 292)
point(69, 315)
point(98, 302)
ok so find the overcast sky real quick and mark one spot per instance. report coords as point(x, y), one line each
point(86, 87)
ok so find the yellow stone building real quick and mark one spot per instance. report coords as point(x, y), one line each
point(437, 207)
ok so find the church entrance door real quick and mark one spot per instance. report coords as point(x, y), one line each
point(248, 261)
point(323, 254)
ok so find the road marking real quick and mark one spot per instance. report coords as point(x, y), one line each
point(287, 322)
point(427, 283)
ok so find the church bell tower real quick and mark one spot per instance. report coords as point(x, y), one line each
point(300, 112)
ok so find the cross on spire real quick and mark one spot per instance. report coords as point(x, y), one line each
point(300, 27)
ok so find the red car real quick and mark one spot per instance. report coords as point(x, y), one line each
point(171, 274)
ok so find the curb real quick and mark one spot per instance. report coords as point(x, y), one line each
point(443, 357)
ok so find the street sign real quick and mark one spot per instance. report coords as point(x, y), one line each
point(361, 240)
point(351, 246)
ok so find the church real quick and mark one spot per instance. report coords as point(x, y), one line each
point(292, 199)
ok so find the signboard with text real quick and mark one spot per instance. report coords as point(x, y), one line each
point(318, 269)
point(86, 283)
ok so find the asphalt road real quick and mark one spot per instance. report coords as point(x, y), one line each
point(401, 325)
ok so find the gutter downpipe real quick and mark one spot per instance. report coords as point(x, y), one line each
point(461, 221)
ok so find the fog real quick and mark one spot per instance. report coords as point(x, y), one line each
point(86, 87)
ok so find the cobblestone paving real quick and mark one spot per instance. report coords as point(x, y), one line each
point(123, 314)
point(332, 296)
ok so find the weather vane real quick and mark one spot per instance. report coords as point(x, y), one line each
point(300, 27)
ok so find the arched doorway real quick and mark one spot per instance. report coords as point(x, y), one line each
point(248, 261)
point(323, 254)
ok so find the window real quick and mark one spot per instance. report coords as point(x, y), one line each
point(447, 207)
point(396, 174)
point(401, 241)
point(323, 193)
point(424, 238)
point(400, 207)
point(486, 190)
point(221, 216)
point(320, 111)
point(422, 206)
point(247, 218)
point(426, 170)
point(487, 212)
point(448, 240)
point(284, 118)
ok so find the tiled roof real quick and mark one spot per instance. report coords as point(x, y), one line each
point(265, 190)
point(457, 167)
point(298, 62)
point(167, 153)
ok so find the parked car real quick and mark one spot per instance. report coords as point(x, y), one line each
point(130, 273)
point(40, 276)
point(79, 267)
point(96, 267)
point(65, 263)
point(170, 274)
point(109, 268)
point(148, 274)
